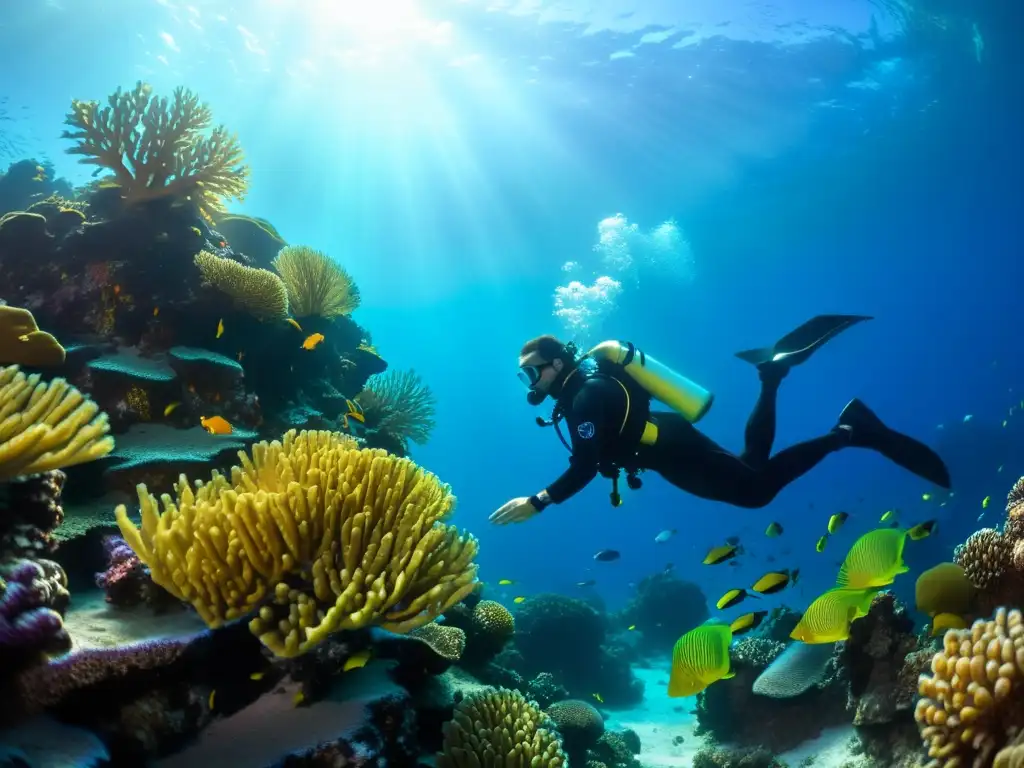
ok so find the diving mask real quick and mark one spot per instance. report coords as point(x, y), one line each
point(530, 374)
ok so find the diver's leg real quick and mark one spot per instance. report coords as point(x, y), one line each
point(760, 432)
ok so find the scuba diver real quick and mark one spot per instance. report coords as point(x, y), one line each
point(604, 398)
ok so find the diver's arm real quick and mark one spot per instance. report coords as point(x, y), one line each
point(586, 431)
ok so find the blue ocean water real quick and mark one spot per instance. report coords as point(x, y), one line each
point(729, 169)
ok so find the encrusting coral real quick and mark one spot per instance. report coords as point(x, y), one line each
point(494, 728)
point(317, 285)
point(971, 704)
point(22, 343)
point(159, 148)
point(314, 532)
point(258, 291)
point(46, 426)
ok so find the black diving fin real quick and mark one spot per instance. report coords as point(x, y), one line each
point(799, 344)
point(869, 431)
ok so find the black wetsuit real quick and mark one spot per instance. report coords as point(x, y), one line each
point(602, 435)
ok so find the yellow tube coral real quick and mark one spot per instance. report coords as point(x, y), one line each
point(500, 728)
point(970, 705)
point(258, 291)
point(317, 285)
point(47, 425)
point(314, 532)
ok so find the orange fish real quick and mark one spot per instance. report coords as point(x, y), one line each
point(117, 290)
point(312, 341)
point(216, 425)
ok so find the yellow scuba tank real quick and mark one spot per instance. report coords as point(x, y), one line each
point(679, 393)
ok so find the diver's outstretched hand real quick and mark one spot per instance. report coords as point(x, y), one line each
point(516, 511)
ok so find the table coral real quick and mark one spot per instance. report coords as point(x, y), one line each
point(315, 534)
point(157, 147)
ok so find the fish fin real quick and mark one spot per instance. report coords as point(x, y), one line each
point(728, 675)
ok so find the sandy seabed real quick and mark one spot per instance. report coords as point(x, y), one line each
point(94, 623)
point(666, 730)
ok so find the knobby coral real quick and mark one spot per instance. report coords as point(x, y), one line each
point(156, 147)
point(314, 533)
point(499, 728)
point(317, 285)
point(971, 704)
point(46, 426)
point(398, 405)
point(258, 291)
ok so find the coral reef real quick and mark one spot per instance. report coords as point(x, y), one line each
point(30, 626)
point(663, 609)
point(127, 582)
point(747, 757)
point(159, 148)
point(397, 408)
point(317, 285)
point(256, 291)
point(286, 537)
point(580, 725)
point(499, 725)
point(970, 705)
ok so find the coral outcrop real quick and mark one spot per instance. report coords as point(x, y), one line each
point(663, 609)
point(313, 534)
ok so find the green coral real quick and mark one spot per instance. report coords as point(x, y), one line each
point(317, 285)
point(258, 291)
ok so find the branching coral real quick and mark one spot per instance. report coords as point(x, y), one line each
point(317, 285)
point(156, 147)
point(971, 704)
point(494, 728)
point(258, 291)
point(400, 406)
point(314, 533)
point(46, 426)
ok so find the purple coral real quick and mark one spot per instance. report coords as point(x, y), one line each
point(28, 627)
point(127, 581)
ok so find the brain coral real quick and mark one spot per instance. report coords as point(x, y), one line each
point(972, 704)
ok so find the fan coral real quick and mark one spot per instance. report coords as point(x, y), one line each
point(499, 727)
point(399, 406)
point(47, 426)
point(316, 534)
point(23, 343)
point(984, 557)
point(159, 148)
point(258, 291)
point(317, 285)
point(970, 705)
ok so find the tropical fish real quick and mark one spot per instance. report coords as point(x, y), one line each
point(700, 658)
point(518, 600)
point(353, 411)
point(292, 321)
point(772, 582)
point(836, 521)
point(220, 328)
point(828, 618)
point(607, 555)
point(631, 627)
point(944, 588)
point(944, 621)
point(312, 341)
point(216, 425)
point(888, 515)
point(985, 502)
point(718, 555)
point(746, 622)
point(256, 676)
point(731, 598)
point(356, 660)
point(213, 695)
point(968, 417)
point(773, 530)
point(156, 311)
point(820, 546)
point(505, 582)
point(170, 408)
point(874, 560)
point(600, 699)
point(922, 530)
point(197, 232)
point(665, 535)
point(298, 698)
point(587, 583)
point(926, 497)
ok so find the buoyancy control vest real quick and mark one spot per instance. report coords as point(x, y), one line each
point(642, 379)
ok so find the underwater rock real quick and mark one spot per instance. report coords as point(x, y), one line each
point(43, 741)
point(616, 749)
point(156, 454)
point(580, 725)
point(663, 609)
point(24, 239)
point(30, 511)
point(212, 368)
point(27, 181)
point(744, 757)
point(545, 690)
point(255, 239)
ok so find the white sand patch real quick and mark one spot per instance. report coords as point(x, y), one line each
point(831, 749)
point(94, 623)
